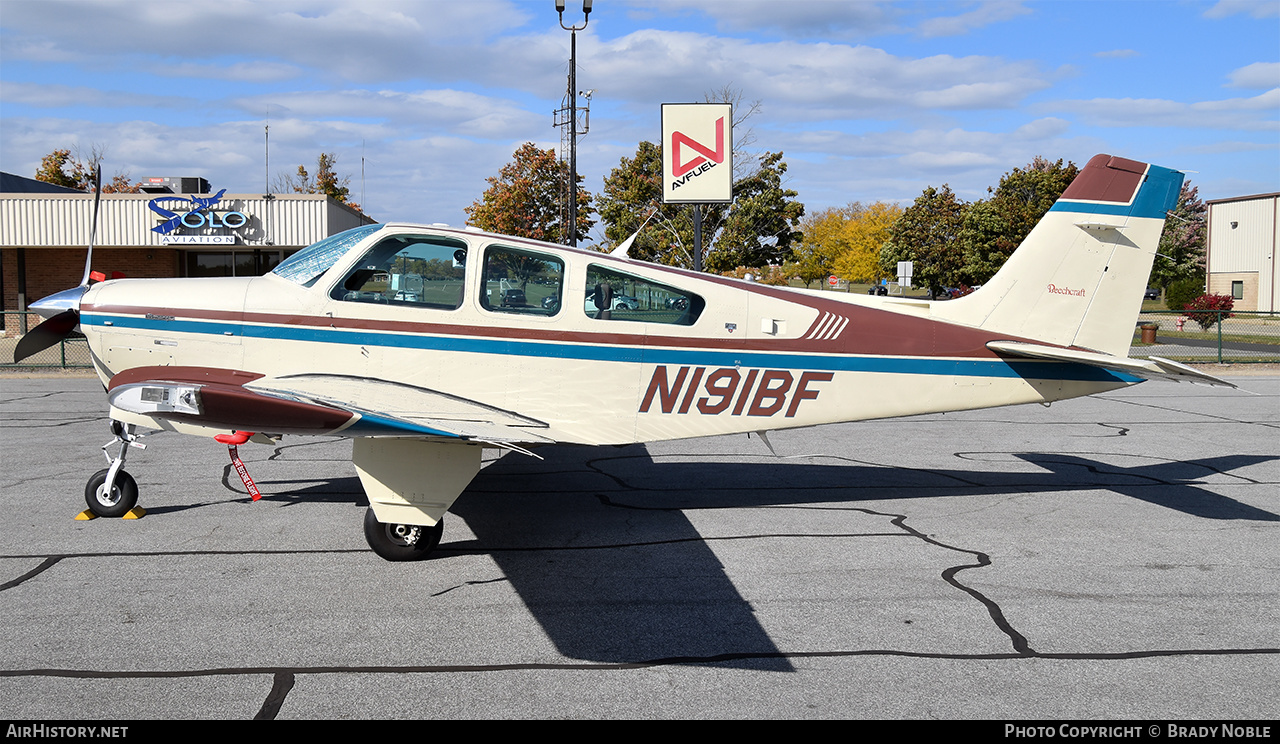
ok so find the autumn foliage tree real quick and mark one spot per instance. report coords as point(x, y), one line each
point(325, 181)
point(524, 199)
point(61, 168)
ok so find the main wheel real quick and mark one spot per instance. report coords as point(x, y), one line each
point(401, 542)
point(123, 496)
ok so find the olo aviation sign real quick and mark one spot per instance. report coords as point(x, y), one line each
point(199, 214)
point(697, 153)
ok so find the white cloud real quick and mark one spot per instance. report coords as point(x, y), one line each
point(1249, 114)
point(1253, 8)
point(987, 13)
point(792, 19)
point(1116, 54)
point(1257, 75)
point(829, 80)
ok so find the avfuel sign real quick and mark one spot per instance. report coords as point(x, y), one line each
point(697, 153)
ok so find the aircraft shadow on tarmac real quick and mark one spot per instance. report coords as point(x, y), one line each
point(596, 543)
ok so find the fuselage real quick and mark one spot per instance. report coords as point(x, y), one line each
point(531, 331)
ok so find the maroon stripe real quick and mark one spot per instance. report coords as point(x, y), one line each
point(870, 331)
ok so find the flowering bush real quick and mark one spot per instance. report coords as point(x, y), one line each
point(1222, 304)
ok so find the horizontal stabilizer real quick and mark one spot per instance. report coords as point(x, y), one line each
point(1154, 368)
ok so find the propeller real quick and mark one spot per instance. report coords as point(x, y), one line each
point(62, 310)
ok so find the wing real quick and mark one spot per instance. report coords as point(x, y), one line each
point(1153, 368)
point(210, 399)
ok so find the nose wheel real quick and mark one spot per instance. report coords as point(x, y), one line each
point(401, 542)
point(115, 501)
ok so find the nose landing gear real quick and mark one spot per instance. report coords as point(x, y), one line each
point(112, 492)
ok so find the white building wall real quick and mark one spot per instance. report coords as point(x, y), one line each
point(1245, 252)
point(63, 220)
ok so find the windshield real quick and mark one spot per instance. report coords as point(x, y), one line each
point(309, 263)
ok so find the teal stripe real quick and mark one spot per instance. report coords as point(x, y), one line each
point(635, 354)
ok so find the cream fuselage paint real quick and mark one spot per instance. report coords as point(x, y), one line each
point(588, 380)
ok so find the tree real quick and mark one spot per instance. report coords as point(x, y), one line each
point(864, 236)
point(927, 234)
point(325, 181)
point(762, 222)
point(524, 198)
point(823, 239)
point(994, 228)
point(1181, 251)
point(62, 169)
point(758, 228)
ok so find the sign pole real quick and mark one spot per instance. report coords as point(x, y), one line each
point(697, 237)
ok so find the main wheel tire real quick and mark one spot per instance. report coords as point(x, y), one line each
point(123, 496)
point(401, 542)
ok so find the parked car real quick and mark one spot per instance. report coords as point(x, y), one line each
point(1152, 293)
point(513, 298)
point(620, 302)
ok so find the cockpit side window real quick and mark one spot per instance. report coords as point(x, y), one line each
point(520, 281)
point(612, 295)
point(305, 266)
point(415, 270)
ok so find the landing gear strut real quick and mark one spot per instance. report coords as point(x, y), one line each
point(113, 492)
point(401, 542)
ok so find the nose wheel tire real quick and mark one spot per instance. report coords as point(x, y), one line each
point(117, 503)
point(401, 542)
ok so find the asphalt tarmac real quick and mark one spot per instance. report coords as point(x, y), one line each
point(1109, 557)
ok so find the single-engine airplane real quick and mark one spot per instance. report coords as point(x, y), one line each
point(427, 344)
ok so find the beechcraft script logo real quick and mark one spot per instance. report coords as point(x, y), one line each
point(704, 158)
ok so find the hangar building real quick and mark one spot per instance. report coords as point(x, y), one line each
point(1240, 257)
point(44, 230)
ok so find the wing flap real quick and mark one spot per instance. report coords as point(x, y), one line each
point(395, 409)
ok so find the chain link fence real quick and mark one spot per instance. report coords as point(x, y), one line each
point(72, 351)
point(1208, 336)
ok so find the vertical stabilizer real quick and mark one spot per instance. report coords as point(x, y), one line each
point(1078, 278)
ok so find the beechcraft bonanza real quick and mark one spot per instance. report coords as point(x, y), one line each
point(427, 344)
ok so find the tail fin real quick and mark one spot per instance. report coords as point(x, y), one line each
point(1078, 277)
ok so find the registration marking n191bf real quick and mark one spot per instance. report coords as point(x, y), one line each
point(726, 387)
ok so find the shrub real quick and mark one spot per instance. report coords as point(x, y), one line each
point(1179, 293)
point(1207, 302)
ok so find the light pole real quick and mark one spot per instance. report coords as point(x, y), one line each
point(573, 113)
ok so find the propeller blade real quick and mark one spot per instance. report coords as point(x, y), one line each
point(93, 228)
point(46, 334)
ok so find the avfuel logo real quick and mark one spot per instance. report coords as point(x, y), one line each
point(697, 153)
point(706, 159)
point(753, 392)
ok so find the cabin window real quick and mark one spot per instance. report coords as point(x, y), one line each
point(520, 281)
point(414, 270)
point(305, 266)
point(613, 295)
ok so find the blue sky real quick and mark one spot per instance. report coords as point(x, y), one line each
point(868, 100)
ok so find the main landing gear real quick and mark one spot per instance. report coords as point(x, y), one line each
point(401, 542)
point(112, 492)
